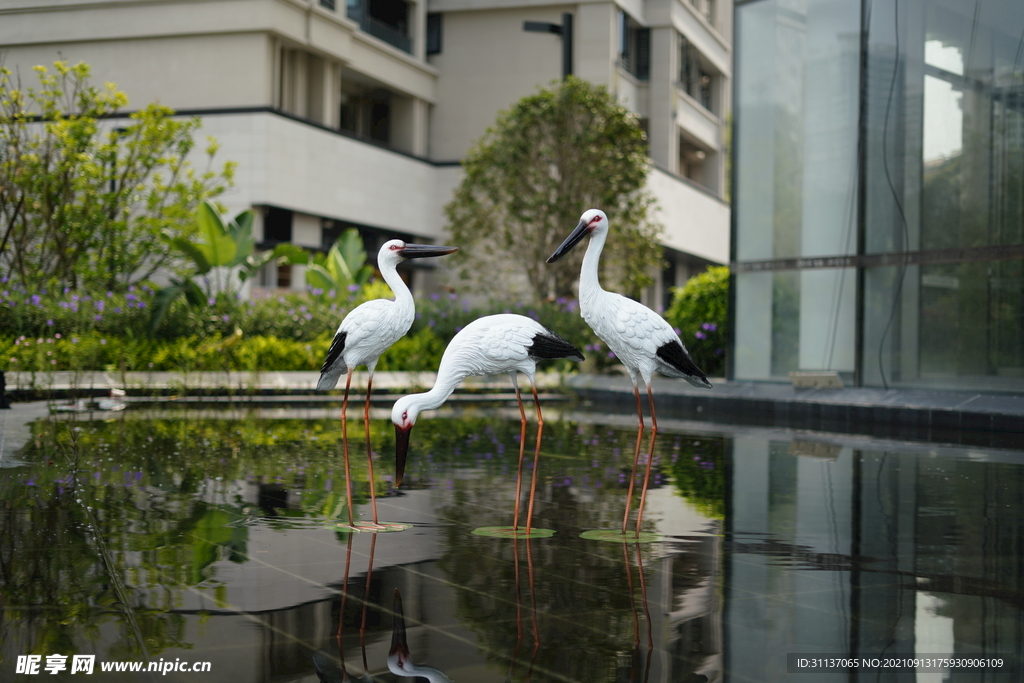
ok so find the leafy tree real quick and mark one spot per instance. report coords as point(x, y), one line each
point(85, 205)
point(555, 154)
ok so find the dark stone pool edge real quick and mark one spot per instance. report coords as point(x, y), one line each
point(958, 418)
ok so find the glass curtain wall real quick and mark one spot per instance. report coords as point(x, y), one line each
point(936, 233)
point(796, 175)
point(945, 195)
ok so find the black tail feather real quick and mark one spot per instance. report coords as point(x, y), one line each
point(675, 355)
point(549, 345)
point(334, 367)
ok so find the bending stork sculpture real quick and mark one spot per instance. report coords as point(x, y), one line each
point(639, 337)
point(487, 346)
point(364, 335)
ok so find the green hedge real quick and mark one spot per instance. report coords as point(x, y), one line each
point(76, 331)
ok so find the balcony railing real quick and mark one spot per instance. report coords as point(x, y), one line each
point(356, 11)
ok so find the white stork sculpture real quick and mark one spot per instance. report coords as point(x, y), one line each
point(639, 337)
point(365, 334)
point(487, 346)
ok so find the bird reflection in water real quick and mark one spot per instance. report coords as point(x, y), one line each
point(399, 660)
point(637, 655)
point(519, 612)
point(326, 669)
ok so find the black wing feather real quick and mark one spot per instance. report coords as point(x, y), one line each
point(334, 367)
point(549, 345)
point(675, 355)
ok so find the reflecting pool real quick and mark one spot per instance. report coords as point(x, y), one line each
point(189, 536)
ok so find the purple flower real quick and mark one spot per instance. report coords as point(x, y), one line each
point(700, 335)
point(97, 317)
point(710, 327)
point(211, 301)
point(117, 309)
point(36, 299)
point(353, 288)
point(99, 304)
point(50, 323)
point(141, 304)
point(225, 318)
point(109, 294)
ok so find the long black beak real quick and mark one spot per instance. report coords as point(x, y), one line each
point(401, 450)
point(399, 643)
point(425, 250)
point(575, 236)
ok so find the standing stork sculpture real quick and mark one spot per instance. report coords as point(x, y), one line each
point(366, 333)
point(640, 338)
point(487, 346)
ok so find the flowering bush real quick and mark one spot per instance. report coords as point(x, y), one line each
point(699, 312)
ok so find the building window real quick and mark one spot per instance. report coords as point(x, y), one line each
point(329, 4)
point(277, 225)
point(366, 112)
point(434, 33)
point(696, 78)
point(710, 11)
point(634, 47)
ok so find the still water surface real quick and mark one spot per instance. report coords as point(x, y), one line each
point(198, 536)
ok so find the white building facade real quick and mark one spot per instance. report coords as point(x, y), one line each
point(358, 114)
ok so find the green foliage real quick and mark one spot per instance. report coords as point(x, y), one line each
point(698, 471)
point(555, 154)
point(419, 351)
point(699, 311)
point(273, 331)
point(343, 268)
point(86, 205)
point(220, 249)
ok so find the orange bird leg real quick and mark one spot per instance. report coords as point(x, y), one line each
point(522, 445)
point(650, 459)
point(344, 439)
point(369, 453)
point(636, 458)
point(536, 460)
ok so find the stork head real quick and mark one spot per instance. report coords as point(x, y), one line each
point(395, 251)
point(403, 415)
point(592, 221)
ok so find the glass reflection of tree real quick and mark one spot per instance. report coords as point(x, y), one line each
point(160, 497)
point(697, 468)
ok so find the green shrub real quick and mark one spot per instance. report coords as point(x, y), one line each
point(699, 312)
